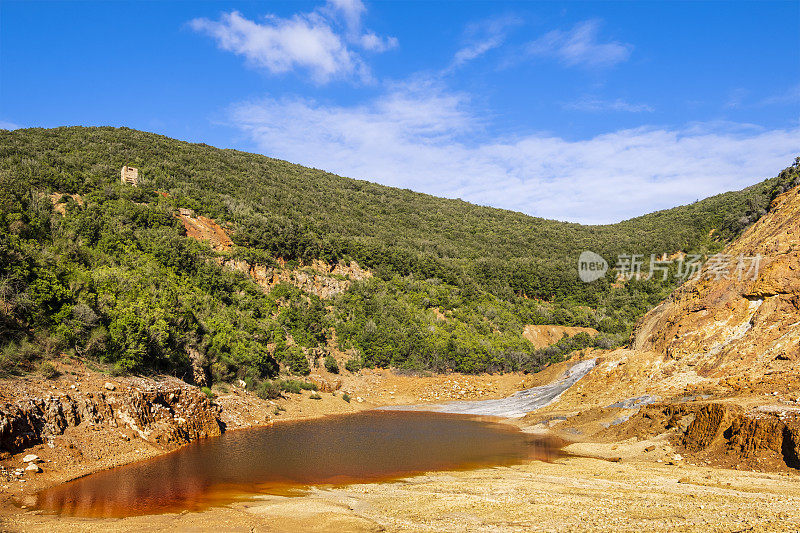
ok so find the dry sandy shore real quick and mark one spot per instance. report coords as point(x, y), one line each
point(636, 491)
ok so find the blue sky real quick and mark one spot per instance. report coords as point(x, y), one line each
point(584, 111)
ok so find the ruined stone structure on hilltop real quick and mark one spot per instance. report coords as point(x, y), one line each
point(129, 176)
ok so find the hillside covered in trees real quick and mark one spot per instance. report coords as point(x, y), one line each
point(115, 279)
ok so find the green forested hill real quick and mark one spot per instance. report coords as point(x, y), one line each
point(116, 280)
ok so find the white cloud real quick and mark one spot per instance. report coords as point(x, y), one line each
point(580, 47)
point(370, 41)
point(599, 105)
point(280, 45)
point(352, 10)
point(483, 37)
point(476, 49)
point(415, 136)
point(311, 41)
point(6, 125)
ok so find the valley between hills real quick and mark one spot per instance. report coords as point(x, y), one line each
point(687, 419)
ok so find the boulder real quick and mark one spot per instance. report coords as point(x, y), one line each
point(30, 458)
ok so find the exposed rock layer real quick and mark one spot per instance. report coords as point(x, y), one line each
point(721, 354)
point(722, 325)
point(725, 433)
point(319, 278)
point(167, 414)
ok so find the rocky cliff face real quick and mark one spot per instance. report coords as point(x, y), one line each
point(723, 325)
point(319, 278)
point(169, 413)
point(724, 434)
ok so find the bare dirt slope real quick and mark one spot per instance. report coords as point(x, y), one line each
point(716, 366)
point(615, 482)
point(723, 326)
point(86, 420)
point(205, 229)
point(578, 494)
point(544, 336)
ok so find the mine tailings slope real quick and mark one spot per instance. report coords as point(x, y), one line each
point(716, 366)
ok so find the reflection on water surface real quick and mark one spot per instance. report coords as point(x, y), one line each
point(363, 447)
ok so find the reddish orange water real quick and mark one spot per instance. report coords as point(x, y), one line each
point(364, 447)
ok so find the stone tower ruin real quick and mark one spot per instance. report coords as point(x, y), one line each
point(130, 176)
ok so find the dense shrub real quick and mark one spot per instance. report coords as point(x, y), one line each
point(297, 361)
point(268, 390)
point(352, 365)
point(331, 365)
point(48, 370)
point(295, 386)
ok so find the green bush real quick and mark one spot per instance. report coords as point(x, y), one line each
point(315, 396)
point(297, 361)
point(331, 365)
point(208, 392)
point(117, 280)
point(294, 386)
point(268, 390)
point(352, 365)
point(18, 357)
point(346, 397)
point(49, 370)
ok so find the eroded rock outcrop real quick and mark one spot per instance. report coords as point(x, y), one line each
point(168, 414)
point(743, 322)
point(721, 355)
point(728, 332)
point(318, 278)
point(723, 433)
point(326, 384)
